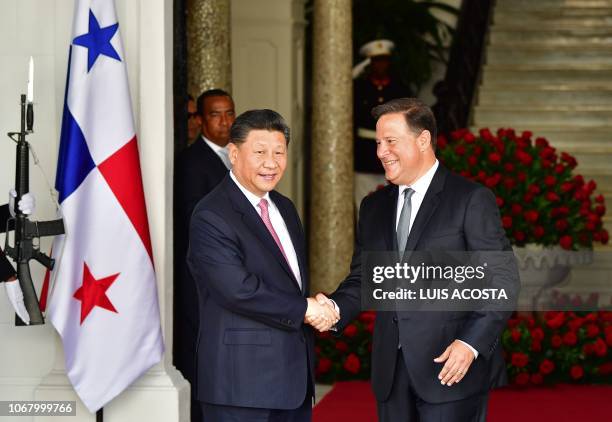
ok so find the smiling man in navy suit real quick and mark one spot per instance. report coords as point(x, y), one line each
point(428, 366)
point(247, 254)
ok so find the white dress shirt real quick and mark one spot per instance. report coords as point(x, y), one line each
point(420, 189)
point(222, 152)
point(279, 226)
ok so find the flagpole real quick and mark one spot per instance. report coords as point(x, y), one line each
point(100, 415)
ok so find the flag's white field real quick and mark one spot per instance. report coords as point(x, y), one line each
point(105, 350)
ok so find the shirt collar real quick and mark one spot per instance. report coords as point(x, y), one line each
point(253, 199)
point(422, 184)
point(216, 148)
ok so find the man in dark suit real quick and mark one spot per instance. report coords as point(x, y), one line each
point(26, 205)
point(247, 254)
point(427, 366)
point(199, 169)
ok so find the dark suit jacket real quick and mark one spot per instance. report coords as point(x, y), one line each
point(456, 215)
point(6, 269)
point(198, 171)
point(253, 348)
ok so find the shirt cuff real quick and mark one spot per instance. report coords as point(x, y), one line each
point(471, 348)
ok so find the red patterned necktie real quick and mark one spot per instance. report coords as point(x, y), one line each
point(265, 216)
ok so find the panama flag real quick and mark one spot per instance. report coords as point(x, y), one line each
point(103, 300)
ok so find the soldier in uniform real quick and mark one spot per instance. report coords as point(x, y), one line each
point(378, 85)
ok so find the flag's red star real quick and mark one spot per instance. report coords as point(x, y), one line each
point(93, 293)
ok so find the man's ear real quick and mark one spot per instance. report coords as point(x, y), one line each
point(424, 140)
point(232, 152)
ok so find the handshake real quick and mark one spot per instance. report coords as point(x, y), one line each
point(321, 313)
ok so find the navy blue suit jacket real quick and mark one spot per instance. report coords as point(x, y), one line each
point(455, 215)
point(253, 348)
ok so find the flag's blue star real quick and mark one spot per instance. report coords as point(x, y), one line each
point(97, 41)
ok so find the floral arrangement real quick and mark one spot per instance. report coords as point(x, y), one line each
point(540, 199)
point(562, 347)
point(346, 357)
point(568, 347)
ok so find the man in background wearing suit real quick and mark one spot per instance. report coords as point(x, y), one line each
point(247, 254)
point(199, 168)
point(427, 366)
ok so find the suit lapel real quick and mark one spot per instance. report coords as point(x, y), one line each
point(254, 222)
point(295, 232)
point(389, 210)
point(427, 209)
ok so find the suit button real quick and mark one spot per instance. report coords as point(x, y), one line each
point(395, 320)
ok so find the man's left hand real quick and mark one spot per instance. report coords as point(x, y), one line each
point(458, 358)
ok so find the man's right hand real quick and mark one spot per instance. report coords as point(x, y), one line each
point(321, 317)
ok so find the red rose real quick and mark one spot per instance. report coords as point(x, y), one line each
point(575, 323)
point(566, 242)
point(566, 186)
point(522, 176)
point(527, 134)
point(538, 232)
point(600, 210)
point(559, 168)
point(522, 378)
point(591, 186)
point(493, 181)
point(472, 160)
point(541, 142)
point(561, 225)
point(576, 372)
point(578, 179)
point(524, 157)
point(600, 199)
point(609, 339)
point(570, 338)
point(519, 236)
point(323, 366)
point(516, 335)
point(509, 183)
point(442, 142)
point(350, 330)
point(506, 222)
point(537, 379)
point(459, 150)
point(531, 216)
point(516, 209)
point(499, 201)
point(352, 363)
point(600, 348)
point(494, 158)
point(486, 134)
point(547, 366)
point(520, 360)
point(509, 167)
point(367, 316)
point(370, 327)
point(341, 346)
point(536, 346)
point(592, 330)
point(537, 334)
point(469, 137)
point(555, 320)
point(553, 197)
point(550, 180)
point(604, 236)
point(534, 189)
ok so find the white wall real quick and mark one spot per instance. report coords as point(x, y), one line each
point(31, 366)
